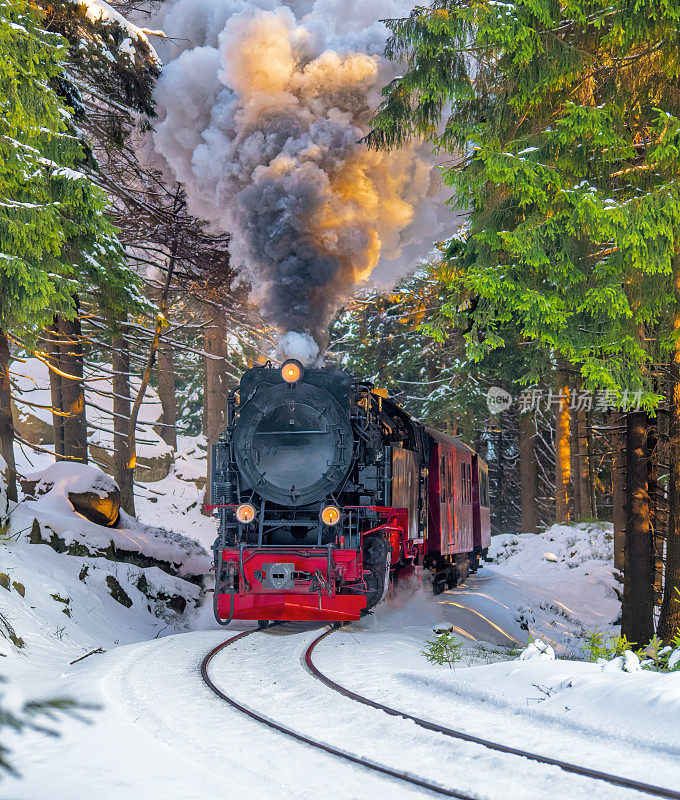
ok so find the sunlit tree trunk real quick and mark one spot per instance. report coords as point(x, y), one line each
point(562, 453)
point(166, 392)
point(67, 389)
point(73, 390)
point(53, 349)
point(216, 385)
point(120, 363)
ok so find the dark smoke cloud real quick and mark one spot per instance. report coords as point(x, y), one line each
point(260, 117)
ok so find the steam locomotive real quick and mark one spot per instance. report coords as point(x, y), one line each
point(326, 492)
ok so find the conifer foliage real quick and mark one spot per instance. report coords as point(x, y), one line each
point(54, 236)
point(563, 122)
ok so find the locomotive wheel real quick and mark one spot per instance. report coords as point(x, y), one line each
point(262, 624)
point(377, 561)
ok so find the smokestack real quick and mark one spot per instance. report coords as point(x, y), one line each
point(260, 118)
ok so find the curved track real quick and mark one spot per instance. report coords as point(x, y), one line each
point(611, 779)
point(615, 780)
point(402, 776)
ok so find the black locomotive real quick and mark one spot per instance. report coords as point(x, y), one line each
point(323, 489)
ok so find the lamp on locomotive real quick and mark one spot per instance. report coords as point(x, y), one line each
point(291, 371)
point(330, 515)
point(245, 513)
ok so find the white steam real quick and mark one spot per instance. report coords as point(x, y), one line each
point(261, 110)
point(299, 346)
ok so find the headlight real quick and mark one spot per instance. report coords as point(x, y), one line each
point(291, 371)
point(330, 515)
point(245, 513)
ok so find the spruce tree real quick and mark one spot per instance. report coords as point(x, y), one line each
point(564, 125)
point(54, 235)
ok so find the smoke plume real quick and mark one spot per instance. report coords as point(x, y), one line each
point(261, 108)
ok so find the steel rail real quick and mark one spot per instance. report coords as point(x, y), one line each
point(364, 762)
point(615, 780)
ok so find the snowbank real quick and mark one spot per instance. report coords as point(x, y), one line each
point(560, 583)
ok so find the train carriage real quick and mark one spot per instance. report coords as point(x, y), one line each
point(326, 492)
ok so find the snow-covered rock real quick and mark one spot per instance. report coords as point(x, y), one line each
point(83, 487)
point(627, 662)
point(674, 659)
point(537, 649)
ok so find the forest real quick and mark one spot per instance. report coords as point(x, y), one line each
point(551, 278)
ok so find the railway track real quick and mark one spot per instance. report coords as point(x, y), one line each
point(587, 772)
point(614, 780)
point(364, 762)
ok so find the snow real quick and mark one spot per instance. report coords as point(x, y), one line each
point(64, 477)
point(537, 649)
point(3, 489)
point(100, 10)
point(155, 731)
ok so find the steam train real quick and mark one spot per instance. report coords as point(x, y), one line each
point(326, 492)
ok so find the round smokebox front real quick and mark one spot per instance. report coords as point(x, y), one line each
point(293, 444)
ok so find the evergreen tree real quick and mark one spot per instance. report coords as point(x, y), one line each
point(54, 236)
point(564, 122)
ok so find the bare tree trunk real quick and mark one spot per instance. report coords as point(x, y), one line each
point(73, 390)
point(669, 621)
point(146, 375)
point(591, 464)
point(216, 392)
point(618, 446)
point(6, 426)
point(215, 388)
point(637, 614)
point(654, 510)
point(576, 468)
point(528, 473)
point(562, 454)
point(120, 363)
point(583, 464)
point(166, 392)
point(67, 391)
point(54, 358)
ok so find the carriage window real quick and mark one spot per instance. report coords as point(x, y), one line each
point(442, 479)
point(466, 483)
point(483, 489)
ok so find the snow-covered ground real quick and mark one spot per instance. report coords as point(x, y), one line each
point(156, 731)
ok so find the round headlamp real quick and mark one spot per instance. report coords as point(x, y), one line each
point(291, 371)
point(245, 513)
point(330, 515)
